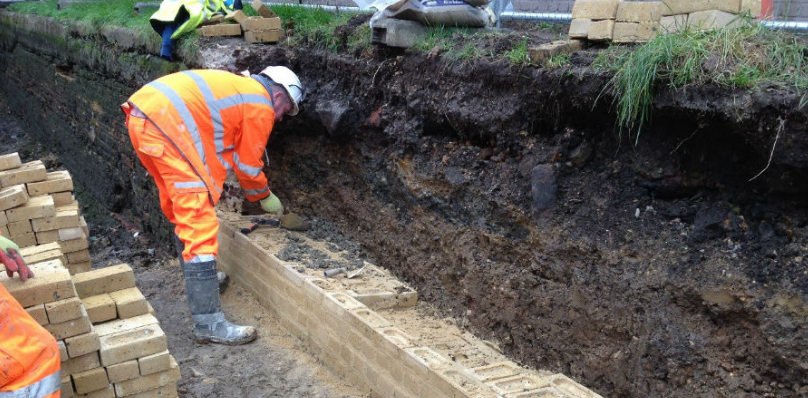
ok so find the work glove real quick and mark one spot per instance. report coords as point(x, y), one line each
point(271, 204)
point(10, 257)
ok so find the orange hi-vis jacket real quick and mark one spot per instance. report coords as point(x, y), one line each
point(216, 120)
point(29, 356)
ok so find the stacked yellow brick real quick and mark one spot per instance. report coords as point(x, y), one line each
point(124, 354)
point(640, 21)
point(37, 207)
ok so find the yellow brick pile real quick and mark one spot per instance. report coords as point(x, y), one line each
point(38, 208)
point(265, 28)
point(111, 344)
point(640, 21)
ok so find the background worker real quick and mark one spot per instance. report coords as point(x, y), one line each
point(190, 128)
point(29, 357)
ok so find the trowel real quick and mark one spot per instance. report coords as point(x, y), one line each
point(290, 221)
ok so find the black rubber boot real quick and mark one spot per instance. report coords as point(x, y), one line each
point(220, 276)
point(210, 325)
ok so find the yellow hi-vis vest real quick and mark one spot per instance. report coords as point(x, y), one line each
point(197, 12)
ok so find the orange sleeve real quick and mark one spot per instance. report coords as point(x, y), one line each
point(248, 157)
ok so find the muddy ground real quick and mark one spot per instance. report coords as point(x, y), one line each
point(275, 365)
point(506, 197)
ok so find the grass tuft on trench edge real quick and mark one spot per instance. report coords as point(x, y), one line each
point(741, 57)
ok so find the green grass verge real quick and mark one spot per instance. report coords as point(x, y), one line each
point(96, 13)
point(741, 57)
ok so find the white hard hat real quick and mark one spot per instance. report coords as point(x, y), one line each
point(289, 80)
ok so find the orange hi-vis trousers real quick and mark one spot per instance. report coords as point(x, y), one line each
point(29, 356)
point(184, 200)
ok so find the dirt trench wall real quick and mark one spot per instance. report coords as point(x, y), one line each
point(506, 197)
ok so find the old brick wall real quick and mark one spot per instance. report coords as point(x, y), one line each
point(66, 90)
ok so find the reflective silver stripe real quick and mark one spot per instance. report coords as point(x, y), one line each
point(256, 191)
point(185, 114)
point(215, 112)
point(190, 184)
point(246, 169)
point(48, 385)
point(200, 258)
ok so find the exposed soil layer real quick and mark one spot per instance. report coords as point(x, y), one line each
point(507, 198)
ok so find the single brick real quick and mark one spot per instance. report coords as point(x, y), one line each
point(225, 29)
point(62, 218)
point(263, 36)
point(100, 308)
point(595, 9)
point(28, 172)
point(24, 240)
point(91, 380)
point(130, 302)
point(579, 28)
point(10, 161)
point(36, 207)
point(66, 234)
point(108, 392)
point(70, 328)
point(57, 181)
point(601, 30)
point(122, 325)
point(52, 283)
point(38, 313)
point(84, 226)
point(674, 7)
point(236, 16)
point(11, 197)
point(46, 237)
point(40, 253)
point(3, 219)
point(67, 387)
point(639, 11)
point(73, 205)
point(104, 280)
point(64, 310)
point(81, 364)
point(123, 371)
point(63, 356)
point(83, 344)
point(167, 391)
point(252, 24)
point(538, 54)
point(262, 9)
point(62, 198)
point(74, 245)
point(79, 268)
point(79, 256)
point(20, 227)
point(150, 382)
point(132, 344)
point(708, 20)
point(154, 363)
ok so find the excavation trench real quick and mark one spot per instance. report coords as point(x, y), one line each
point(507, 199)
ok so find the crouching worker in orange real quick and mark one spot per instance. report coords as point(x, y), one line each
point(188, 129)
point(29, 356)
